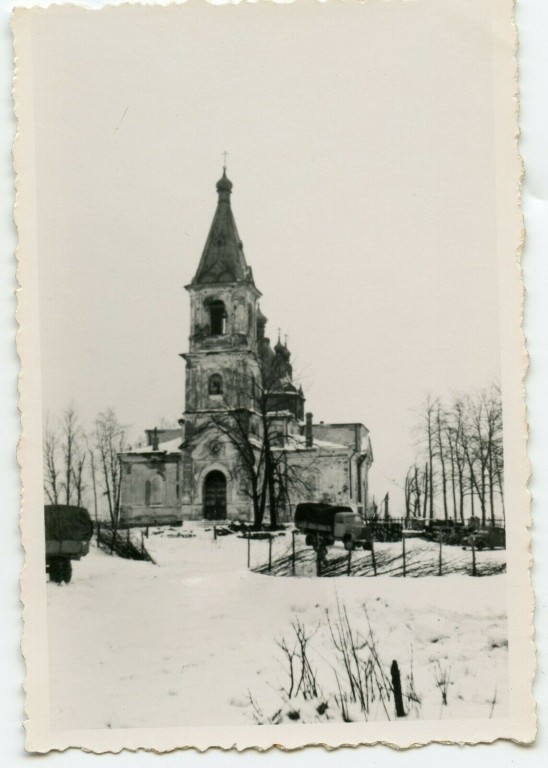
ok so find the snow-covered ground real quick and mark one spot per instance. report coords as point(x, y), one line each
point(186, 641)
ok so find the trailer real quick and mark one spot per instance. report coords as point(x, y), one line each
point(68, 532)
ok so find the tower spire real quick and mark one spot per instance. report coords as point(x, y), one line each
point(223, 258)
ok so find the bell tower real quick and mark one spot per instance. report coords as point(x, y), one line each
point(221, 364)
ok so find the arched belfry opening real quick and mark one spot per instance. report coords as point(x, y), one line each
point(217, 318)
point(215, 496)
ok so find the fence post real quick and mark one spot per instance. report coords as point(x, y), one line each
point(403, 554)
point(349, 562)
point(396, 685)
point(98, 532)
point(374, 559)
point(473, 559)
point(270, 552)
point(440, 558)
point(214, 533)
point(142, 543)
point(248, 549)
point(318, 562)
point(128, 538)
point(146, 532)
point(293, 551)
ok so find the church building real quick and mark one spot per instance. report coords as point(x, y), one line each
point(239, 397)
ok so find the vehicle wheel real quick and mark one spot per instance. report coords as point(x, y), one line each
point(56, 571)
point(67, 571)
point(309, 540)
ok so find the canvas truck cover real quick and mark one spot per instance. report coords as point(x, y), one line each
point(317, 514)
point(64, 523)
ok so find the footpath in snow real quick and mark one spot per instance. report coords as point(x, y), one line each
point(195, 638)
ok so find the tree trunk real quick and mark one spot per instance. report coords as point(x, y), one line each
point(425, 490)
point(453, 484)
point(442, 463)
point(94, 482)
point(417, 493)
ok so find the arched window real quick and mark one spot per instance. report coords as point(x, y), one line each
point(156, 490)
point(217, 318)
point(216, 384)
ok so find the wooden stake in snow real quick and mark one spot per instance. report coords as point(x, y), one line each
point(403, 552)
point(439, 561)
point(396, 686)
point(293, 551)
point(214, 533)
point(248, 549)
point(473, 558)
point(270, 553)
point(373, 558)
point(349, 562)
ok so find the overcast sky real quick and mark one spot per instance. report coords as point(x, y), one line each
point(360, 141)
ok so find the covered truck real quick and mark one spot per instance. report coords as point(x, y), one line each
point(324, 524)
point(68, 533)
point(486, 538)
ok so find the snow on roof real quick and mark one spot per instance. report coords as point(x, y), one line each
point(298, 443)
point(170, 446)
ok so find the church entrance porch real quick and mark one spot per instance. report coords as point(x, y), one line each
point(215, 496)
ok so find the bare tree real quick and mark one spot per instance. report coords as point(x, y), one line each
point(65, 459)
point(51, 463)
point(110, 440)
point(426, 439)
point(93, 481)
point(440, 448)
point(73, 447)
point(463, 452)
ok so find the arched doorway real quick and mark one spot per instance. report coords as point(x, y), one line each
point(215, 496)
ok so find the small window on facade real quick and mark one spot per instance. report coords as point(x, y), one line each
point(216, 384)
point(217, 315)
point(156, 490)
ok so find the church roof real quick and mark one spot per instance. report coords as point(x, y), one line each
point(170, 446)
point(223, 259)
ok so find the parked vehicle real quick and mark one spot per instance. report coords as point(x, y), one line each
point(68, 533)
point(386, 530)
point(486, 538)
point(324, 524)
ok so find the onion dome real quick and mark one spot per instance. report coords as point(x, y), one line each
point(282, 350)
point(224, 184)
point(261, 318)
